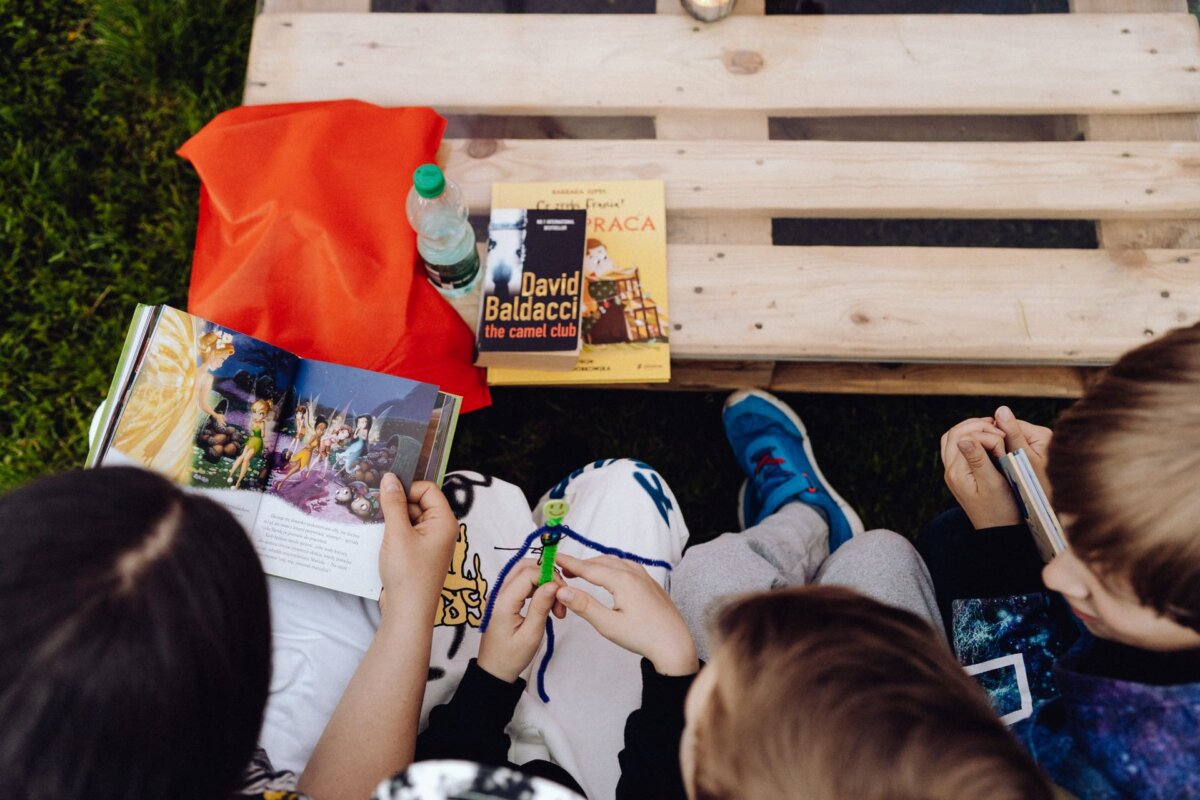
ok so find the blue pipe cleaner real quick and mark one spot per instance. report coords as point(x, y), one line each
point(520, 554)
point(541, 678)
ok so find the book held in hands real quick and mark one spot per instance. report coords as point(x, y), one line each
point(1033, 503)
point(295, 449)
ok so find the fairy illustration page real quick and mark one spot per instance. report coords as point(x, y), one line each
point(319, 519)
point(294, 449)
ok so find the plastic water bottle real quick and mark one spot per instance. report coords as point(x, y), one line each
point(445, 238)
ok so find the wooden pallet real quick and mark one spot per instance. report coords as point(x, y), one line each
point(973, 89)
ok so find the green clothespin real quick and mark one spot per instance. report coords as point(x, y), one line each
point(553, 511)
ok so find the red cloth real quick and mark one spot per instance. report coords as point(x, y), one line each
point(302, 239)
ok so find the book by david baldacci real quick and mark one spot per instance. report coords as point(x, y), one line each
point(625, 319)
point(529, 314)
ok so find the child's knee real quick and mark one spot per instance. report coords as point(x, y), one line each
point(875, 551)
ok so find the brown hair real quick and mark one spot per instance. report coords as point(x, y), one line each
point(824, 693)
point(1124, 464)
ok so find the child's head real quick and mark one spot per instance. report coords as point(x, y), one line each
point(1124, 465)
point(135, 642)
point(820, 692)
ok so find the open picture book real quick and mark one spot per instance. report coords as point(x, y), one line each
point(294, 448)
point(1033, 503)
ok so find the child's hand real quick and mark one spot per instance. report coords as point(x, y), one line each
point(1034, 439)
point(973, 479)
point(419, 532)
point(643, 619)
point(511, 639)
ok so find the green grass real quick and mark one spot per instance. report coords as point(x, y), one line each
point(98, 214)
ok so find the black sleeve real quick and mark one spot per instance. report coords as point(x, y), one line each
point(471, 726)
point(966, 563)
point(650, 760)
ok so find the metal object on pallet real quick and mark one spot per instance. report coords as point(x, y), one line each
point(709, 10)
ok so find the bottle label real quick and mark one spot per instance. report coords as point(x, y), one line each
point(451, 277)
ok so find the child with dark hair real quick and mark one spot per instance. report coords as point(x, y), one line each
point(135, 646)
point(1094, 658)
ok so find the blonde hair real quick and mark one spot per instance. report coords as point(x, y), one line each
point(260, 407)
point(1124, 464)
point(825, 694)
point(215, 342)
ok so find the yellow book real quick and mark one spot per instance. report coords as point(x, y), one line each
point(625, 321)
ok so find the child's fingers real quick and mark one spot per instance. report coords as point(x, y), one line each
point(599, 570)
point(589, 608)
point(559, 609)
point(429, 498)
point(1014, 436)
point(394, 505)
point(539, 608)
point(520, 584)
point(982, 470)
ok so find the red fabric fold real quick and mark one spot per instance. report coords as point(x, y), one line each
point(302, 239)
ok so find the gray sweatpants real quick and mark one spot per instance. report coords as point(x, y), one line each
point(791, 548)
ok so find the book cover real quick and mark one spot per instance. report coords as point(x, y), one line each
point(295, 449)
point(625, 317)
point(529, 311)
point(1033, 504)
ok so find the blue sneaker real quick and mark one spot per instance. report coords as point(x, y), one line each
point(773, 449)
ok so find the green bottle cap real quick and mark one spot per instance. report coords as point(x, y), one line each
point(429, 181)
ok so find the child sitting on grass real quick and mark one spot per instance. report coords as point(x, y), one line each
point(1104, 688)
point(791, 511)
point(813, 692)
point(820, 692)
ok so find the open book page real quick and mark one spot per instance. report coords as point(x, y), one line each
point(201, 409)
point(343, 429)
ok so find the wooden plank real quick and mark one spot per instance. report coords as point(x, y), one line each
point(1185, 127)
point(787, 66)
point(1129, 6)
point(695, 126)
point(873, 378)
point(700, 375)
point(982, 180)
point(1076, 307)
point(921, 304)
